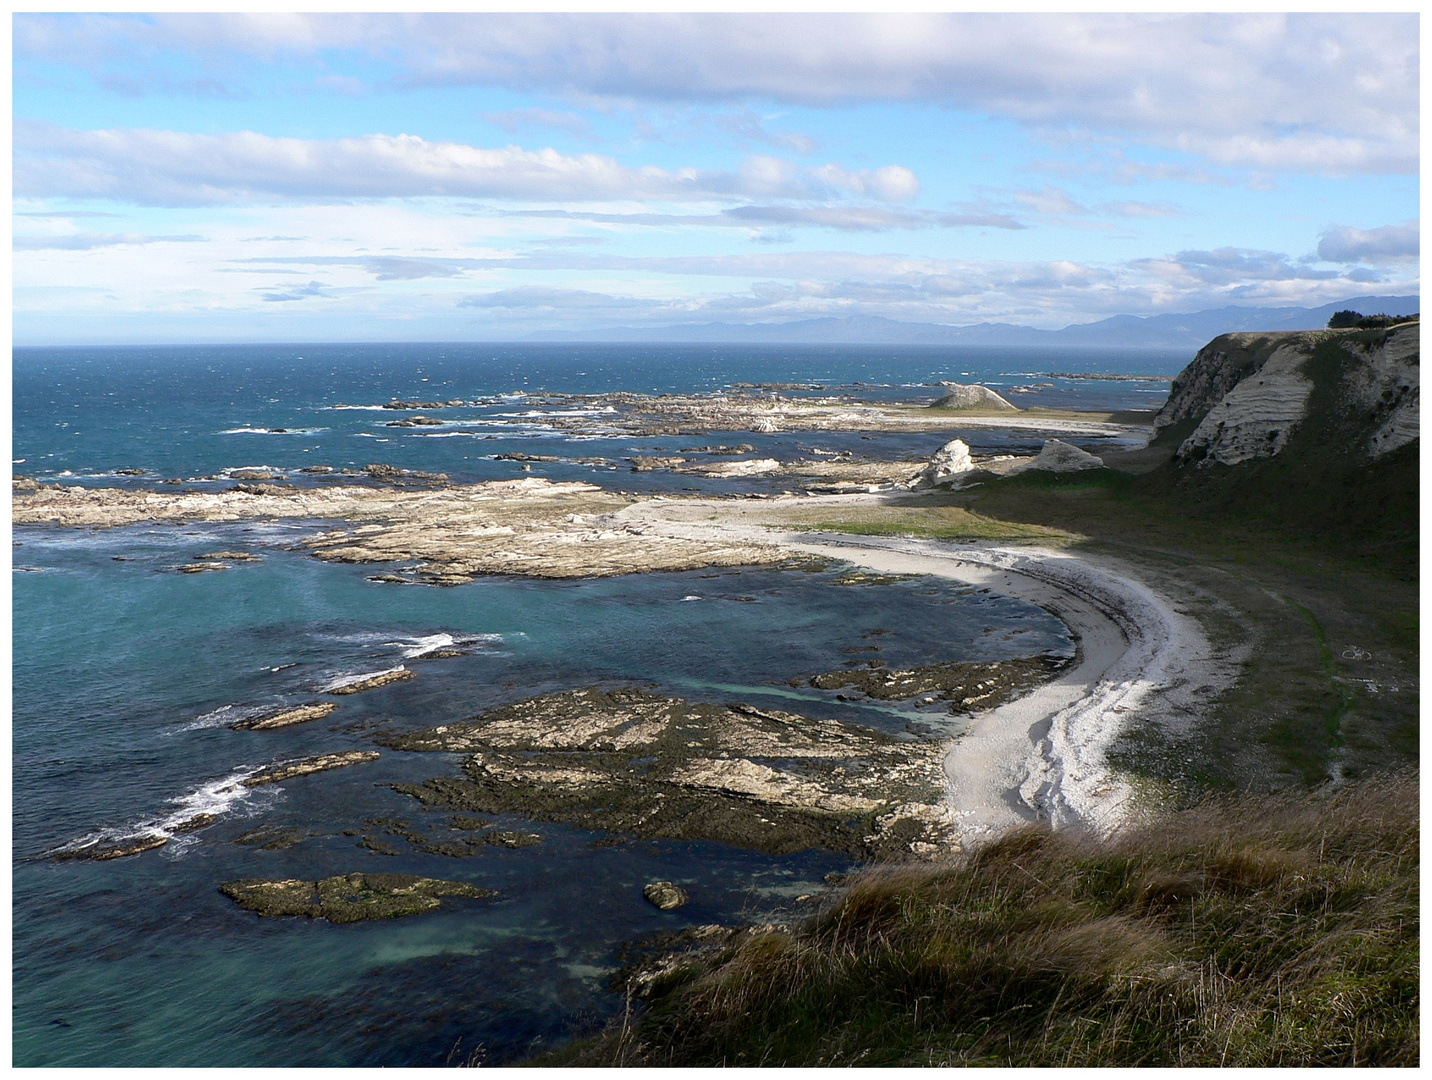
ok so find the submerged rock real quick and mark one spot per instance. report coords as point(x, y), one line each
point(966, 686)
point(231, 556)
point(665, 895)
point(298, 714)
point(348, 897)
point(649, 463)
point(261, 489)
point(270, 838)
point(200, 567)
point(286, 770)
point(114, 849)
point(510, 839)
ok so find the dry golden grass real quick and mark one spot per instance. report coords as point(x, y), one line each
point(1275, 931)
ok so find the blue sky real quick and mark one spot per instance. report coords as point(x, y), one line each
point(471, 177)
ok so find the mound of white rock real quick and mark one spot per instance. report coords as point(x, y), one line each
point(1058, 456)
point(947, 464)
point(952, 466)
point(971, 396)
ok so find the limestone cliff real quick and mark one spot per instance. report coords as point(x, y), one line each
point(1244, 395)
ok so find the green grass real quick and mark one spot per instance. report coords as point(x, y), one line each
point(1270, 932)
point(935, 522)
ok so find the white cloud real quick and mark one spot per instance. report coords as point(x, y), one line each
point(769, 286)
point(540, 298)
point(1390, 242)
point(301, 292)
point(749, 126)
point(89, 241)
point(1321, 93)
point(1134, 209)
point(179, 168)
point(512, 120)
point(1050, 200)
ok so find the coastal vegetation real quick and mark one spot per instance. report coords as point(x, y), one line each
point(1269, 931)
point(1263, 913)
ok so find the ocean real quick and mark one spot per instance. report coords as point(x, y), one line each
point(127, 677)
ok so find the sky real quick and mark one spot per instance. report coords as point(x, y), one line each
point(182, 178)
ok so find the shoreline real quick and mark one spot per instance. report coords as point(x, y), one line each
point(1043, 755)
point(1040, 757)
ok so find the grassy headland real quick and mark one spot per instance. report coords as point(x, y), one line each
point(1267, 912)
point(1253, 931)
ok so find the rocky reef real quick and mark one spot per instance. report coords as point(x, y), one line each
point(532, 526)
point(347, 898)
point(372, 682)
point(965, 686)
point(287, 770)
point(284, 717)
point(625, 760)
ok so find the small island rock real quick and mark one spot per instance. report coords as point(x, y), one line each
point(665, 895)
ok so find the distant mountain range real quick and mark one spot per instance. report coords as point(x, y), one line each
point(1191, 330)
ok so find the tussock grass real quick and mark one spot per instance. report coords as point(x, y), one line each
point(1272, 931)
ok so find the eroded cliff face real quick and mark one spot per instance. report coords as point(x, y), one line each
point(1250, 392)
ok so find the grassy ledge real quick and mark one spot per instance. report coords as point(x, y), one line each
point(933, 522)
point(1269, 931)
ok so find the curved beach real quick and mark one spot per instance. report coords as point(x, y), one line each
point(1042, 756)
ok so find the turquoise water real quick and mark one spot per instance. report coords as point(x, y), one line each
point(127, 675)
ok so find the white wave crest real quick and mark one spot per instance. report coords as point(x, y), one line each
point(416, 647)
point(348, 680)
point(272, 431)
point(223, 716)
point(191, 811)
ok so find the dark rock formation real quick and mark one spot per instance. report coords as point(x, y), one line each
point(286, 770)
point(297, 714)
point(966, 686)
point(348, 897)
point(383, 678)
point(665, 895)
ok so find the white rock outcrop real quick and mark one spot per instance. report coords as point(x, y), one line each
point(948, 464)
point(1389, 385)
point(1255, 418)
point(1250, 393)
point(1058, 456)
point(971, 396)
